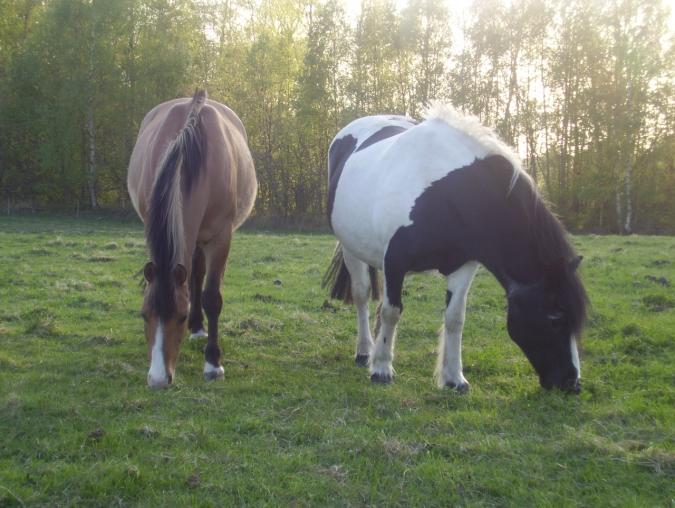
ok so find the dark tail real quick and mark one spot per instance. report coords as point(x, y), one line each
point(191, 142)
point(340, 282)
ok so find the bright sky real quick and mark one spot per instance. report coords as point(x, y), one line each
point(353, 7)
point(457, 7)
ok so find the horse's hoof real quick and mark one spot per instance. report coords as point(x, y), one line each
point(461, 388)
point(383, 379)
point(198, 334)
point(214, 376)
point(361, 360)
point(212, 373)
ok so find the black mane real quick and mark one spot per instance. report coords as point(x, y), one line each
point(553, 250)
point(183, 160)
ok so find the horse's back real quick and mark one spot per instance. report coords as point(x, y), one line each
point(380, 182)
point(226, 187)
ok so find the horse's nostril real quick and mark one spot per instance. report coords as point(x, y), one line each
point(170, 379)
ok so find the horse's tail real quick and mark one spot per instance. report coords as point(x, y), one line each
point(340, 282)
point(178, 170)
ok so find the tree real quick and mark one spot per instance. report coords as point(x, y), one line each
point(424, 43)
point(320, 101)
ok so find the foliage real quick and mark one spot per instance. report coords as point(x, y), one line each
point(584, 89)
point(295, 422)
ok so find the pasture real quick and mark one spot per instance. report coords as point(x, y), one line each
point(295, 422)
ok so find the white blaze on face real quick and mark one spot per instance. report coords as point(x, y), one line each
point(157, 373)
point(575, 356)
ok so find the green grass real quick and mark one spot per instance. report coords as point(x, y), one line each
point(295, 422)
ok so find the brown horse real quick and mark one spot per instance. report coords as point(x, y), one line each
point(192, 182)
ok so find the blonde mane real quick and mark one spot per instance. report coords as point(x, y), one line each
point(483, 135)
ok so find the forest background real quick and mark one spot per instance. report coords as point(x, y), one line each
point(584, 89)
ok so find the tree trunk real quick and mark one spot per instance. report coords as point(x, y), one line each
point(547, 145)
point(90, 115)
point(628, 181)
point(619, 213)
point(92, 156)
point(628, 172)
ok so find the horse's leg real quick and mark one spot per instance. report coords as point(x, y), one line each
point(449, 365)
point(196, 319)
point(216, 252)
point(360, 280)
point(381, 369)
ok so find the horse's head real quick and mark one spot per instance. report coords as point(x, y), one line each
point(545, 319)
point(165, 312)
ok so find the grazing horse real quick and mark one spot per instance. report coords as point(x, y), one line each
point(446, 194)
point(192, 182)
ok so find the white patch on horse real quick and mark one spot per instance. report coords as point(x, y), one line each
point(358, 271)
point(449, 364)
point(383, 199)
point(213, 372)
point(382, 357)
point(575, 356)
point(157, 375)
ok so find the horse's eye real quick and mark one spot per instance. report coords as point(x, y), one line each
point(181, 320)
point(144, 316)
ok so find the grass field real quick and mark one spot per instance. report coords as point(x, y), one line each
point(295, 422)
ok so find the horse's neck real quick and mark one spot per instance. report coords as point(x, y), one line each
point(510, 253)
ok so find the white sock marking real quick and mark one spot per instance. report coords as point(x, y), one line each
point(208, 369)
point(198, 334)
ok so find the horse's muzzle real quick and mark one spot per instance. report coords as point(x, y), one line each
point(160, 382)
point(571, 386)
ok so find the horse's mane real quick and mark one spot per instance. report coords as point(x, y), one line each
point(553, 251)
point(179, 169)
point(483, 135)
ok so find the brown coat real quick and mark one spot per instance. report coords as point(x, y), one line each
point(226, 190)
point(191, 180)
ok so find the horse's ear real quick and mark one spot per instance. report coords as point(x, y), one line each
point(179, 274)
point(574, 263)
point(149, 271)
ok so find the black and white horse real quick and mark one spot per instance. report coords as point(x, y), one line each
point(446, 194)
